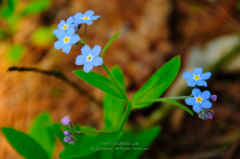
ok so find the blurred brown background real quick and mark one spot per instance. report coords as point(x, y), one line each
point(204, 32)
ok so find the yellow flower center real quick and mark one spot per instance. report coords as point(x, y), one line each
point(196, 77)
point(66, 39)
point(85, 18)
point(89, 58)
point(199, 99)
point(65, 27)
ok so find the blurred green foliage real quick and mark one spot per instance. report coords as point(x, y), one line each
point(7, 8)
point(11, 15)
point(35, 6)
point(43, 36)
point(238, 5)
point(15, 53)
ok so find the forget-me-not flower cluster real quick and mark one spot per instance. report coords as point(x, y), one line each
point(67, 34)
point(200, 101)
point(67, 31)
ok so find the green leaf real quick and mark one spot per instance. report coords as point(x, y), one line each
point(157, 84)
point(109, 43)
point(135, 144)
point(8, 9)
point(58, 132)
point(118, 75)
point(100, 82)
point(175, 103)
point(24, 144)
point(41, 130)
point(15, 53)
point(36, 6)
point(87, 145)
point(88, 130)
point(113, 107)
point(43, 36)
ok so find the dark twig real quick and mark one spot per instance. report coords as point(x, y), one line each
point(56, 74)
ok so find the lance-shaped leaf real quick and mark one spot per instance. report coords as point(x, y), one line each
point(113, 107)
point(87, 145)
point(135, 144)
point(157, 84)
point(24, 144)
point(100, 82)
point(42, 131)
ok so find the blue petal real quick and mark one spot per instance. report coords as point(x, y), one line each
point(60, 25)
point(89, 13)
point(75, 38)
point(59, 33)
point(189, 101)
point(85, 50)
point(58, 44)
point(97, 61)
point(201, 83)
point(55, 31)
point(70, 31)
point(87, 67)
point(196, 92)
point(96, 50)
point(80, 21)
point(66, 49)
point(80, 60)
point(206, 104)
point(206, 75)
point(95, 17)
point(191, 82)
point(187, 75)
point(197, 108)
point(70, 20)
point(206, 94)
point(78, 16)
point(89, 22)
point(197, 70)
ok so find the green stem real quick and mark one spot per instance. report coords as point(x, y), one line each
point(84, 33)
point(82, 42)
point(164, 99)
point(125, 116)
point(176, 98)
point(115, 82)
point(128, 103)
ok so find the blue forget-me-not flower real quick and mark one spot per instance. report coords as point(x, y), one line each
point(85, 18)
point(66, 40)
point(89, 58)
point(64, 26)
point(197, 77)
point(199, 100)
